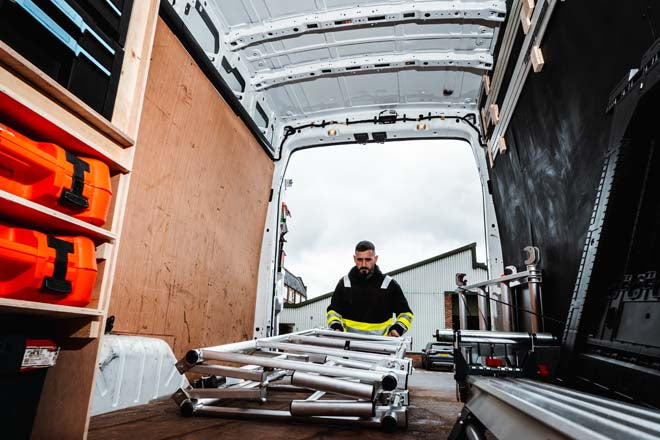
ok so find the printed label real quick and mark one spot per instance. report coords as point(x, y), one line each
point(40, 357)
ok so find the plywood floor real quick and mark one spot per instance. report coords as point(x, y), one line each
point(432, 413)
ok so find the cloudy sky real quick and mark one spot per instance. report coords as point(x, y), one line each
point(413, 199)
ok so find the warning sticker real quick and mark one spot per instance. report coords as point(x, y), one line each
point(40, 357)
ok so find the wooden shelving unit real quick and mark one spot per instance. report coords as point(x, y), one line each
point(26, 212)
point(15, 306)
point(22, 105)
point(37, 106)
point(38, 80)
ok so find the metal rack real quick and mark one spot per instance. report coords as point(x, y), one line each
point(500, 305)
point(353, 378)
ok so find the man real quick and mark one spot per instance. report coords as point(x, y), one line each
point(365, 299)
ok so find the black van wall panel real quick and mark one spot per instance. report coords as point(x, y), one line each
point(544, 186)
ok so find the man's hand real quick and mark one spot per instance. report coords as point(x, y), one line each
point(394, 333)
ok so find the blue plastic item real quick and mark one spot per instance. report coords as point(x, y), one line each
point(71, 13)
point(58, 32)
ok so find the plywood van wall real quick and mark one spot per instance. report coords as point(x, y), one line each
point(189, 253)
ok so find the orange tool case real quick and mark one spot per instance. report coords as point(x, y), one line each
point(49, 175)
point(39, 267)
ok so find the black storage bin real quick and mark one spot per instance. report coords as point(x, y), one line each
point(86, 65)
point(21, 391)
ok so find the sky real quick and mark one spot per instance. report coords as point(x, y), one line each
point(412, 199)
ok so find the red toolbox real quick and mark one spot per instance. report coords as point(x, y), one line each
point(39, 267)
point(49, 175)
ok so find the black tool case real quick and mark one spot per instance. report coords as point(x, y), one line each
point(78, 43)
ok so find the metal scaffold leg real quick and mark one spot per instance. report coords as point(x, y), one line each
point(353, 379)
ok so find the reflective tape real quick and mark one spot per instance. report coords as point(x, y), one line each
point(333, 316)
point(386, 282)
point(366, 332)
point(347, 281)
point(368, 328)
point(406, 324)
point(405, 319)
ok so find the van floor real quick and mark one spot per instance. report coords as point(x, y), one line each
point(432, 412)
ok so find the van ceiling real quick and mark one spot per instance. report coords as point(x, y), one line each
point(293, 63)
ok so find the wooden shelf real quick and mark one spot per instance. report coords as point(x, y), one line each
point(39, 80)
point(38, 107)
point(29, 214)
point(37, 116)
point(15, 306)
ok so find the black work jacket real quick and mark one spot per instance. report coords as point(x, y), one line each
point(366, 300)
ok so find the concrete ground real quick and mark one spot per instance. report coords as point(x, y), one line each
point(432, 412)
point(433, 406)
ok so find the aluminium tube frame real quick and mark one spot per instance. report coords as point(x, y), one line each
point(341, 408)
point(330, 385)
point(370, 370)
point(389, 420)
point(357, 337)
point(301, 348)
point(529, 339)
point(387, 381)
point(344, 344)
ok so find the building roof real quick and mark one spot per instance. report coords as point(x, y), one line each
point(472, 247)
point(296, 283)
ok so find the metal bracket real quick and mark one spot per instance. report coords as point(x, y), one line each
point(477, 61)
point(342, 18)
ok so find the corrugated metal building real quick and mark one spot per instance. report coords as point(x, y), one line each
point(425, 285)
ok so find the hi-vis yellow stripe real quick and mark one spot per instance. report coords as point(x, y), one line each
point(367, 325)
point(404, 321)
point(333, 316)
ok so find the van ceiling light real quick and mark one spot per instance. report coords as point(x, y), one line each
point(421, 126)
point(332, 132)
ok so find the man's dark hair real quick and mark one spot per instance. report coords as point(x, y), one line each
point(365, 245)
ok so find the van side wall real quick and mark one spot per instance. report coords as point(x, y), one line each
point(545, 185)
point(189, 254)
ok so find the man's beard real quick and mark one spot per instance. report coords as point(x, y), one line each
point(365, 273)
